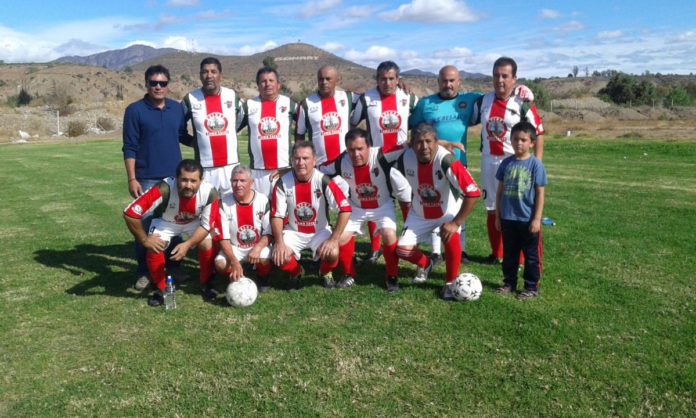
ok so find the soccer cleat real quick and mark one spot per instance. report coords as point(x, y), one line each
point(178, 274)
point(208, 292)
point(392, 284)
point(446, 292)
point(491, 259)
point(156, 299)
point(465, 258)
point(422, 273)
point(504, 289)
point(372, 259)
point(527, 294)
point(142, 283)
point(435, 259)
point(347, 281)
point(328, 280)
point(264, 284)
point(294, 282)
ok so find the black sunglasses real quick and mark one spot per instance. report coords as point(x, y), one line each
point(154, 83)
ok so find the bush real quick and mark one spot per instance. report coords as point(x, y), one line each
point(678, 96)
point(106, 124)
point(542, 97)
point(23, 98)
point(76, 128)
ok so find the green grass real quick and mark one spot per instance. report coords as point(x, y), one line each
point(614, 332)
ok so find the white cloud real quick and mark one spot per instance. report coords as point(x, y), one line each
point(209, 15)
point(456, 52)
point(181, 42)
point(571, 26)
point(139, 42)
point(182, 3)
point(316, 7)
point(359, 11)
point(549, 14)
point(610, 34)
point(253, 49)
point(689, 36)
point(333, 47)
point(432, 11)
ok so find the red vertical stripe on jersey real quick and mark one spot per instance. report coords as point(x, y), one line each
point(498, 110)
point(218, 143)
point(425, 177)
point(362, 176)
point(332, 143)
point(187, 210)
point(269, 147)
point(390, 139)
point(245, 217)
point(303, 196)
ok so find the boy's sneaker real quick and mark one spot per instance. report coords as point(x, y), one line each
point(465, 258)
point(422, 273)
point(328, 280)
point(372, 259)
point(264, 284)
point(504, 289)
point(527, 294)
point(435, 259)
point(392, 284)
point(142, 283)
point(156, 299)
point(446, 292)
point(347, 281)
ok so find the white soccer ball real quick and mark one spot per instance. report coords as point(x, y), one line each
point(241, 293)
point(467, 287)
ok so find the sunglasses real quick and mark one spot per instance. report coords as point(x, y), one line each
point(154, 83)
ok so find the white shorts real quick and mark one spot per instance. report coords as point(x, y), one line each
point(242, 254)
point(384, 217)
point(262, 181)
point(298, 241)
point(489, 184)
point(417, 229)
point(219, 177)
point(167, 230)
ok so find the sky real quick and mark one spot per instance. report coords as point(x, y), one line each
point(545, 38)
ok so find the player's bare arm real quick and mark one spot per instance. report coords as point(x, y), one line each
point(281, 252)
point(255, 252)
point(150, 242)
point(179, 252)
point(535, 224)
point(449, 228)
point(539, 147)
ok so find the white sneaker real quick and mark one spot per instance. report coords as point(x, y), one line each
point(422, 273)
point(142, 283)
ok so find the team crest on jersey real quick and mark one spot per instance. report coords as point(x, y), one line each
point(439, 174)
point(247, 236)
point(496, 128)
point(313, 109)
point(462, 105)
point(390, 121)
point(137, 209)
point(260, 214)
point(269, 127)
point(375, 171)
point(430, 197)
point(305, 214)
point(229, 104)
point(317, 193)
point(366, 191)
point(404, 102)
point(283, 109)
point(410, 172)
point(330, 123)
point(346, 175)
point(215, 123)
point(197, 106)
point(342, 102)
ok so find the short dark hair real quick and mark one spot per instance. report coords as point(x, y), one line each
point(503, 61)
point(355, 133)
point(423, 129)
point(156, 69)
point(188, 165)
point(525, 127)
point(385, 66)
point(211, 60)
point(266, 70)
point(304, 144)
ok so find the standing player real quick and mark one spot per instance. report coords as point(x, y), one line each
point(269, 117)
point(385, 109)
point(372, 183)
point(444, 195)
point(305, 195)
point(176, 205)
point(152, 129)
point(498, 112)
point(215, 114)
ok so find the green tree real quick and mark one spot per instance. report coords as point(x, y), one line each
point(270, 62)
point(620, 89)
point(678, 96)
point(542, 97)
point(23, 98)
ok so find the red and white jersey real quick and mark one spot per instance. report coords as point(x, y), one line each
point(269, 125)
point(326, 120)
point(387, 117)
point(437, 185)
point(497, 117)
point(307, 204)
point(242, 224)
point(164, 201)
point(371, 185)
point(215, 121)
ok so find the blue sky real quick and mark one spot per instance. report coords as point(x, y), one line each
point(546, 38)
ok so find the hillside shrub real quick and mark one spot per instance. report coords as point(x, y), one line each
point(542, 97)
point(76, 128)
point(105, 123)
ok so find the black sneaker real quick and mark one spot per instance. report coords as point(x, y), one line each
point(372, 259)
point(527, 294)
point(435, 259)
point(491, 259)
point(465, 258)
point(156, 299)
point(209, 293)
point(392, 284)
point(446, 292)
point(347, 281)
point(264, 284)
point(294, 282)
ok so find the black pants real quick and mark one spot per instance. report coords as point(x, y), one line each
point(516, 238)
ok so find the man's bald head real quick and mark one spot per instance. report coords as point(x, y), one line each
point(449, 82)
point(327, 79)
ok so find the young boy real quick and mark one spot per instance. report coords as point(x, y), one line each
point(519, 203)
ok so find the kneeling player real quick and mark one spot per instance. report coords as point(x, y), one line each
point(304, 195)
point(438, 181)
point(372, 182)
point(177, 204)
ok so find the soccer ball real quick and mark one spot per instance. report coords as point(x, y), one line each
point(241, 293)
point(467, 287)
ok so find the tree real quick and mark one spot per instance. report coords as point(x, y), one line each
point(575, 70)
point(270, 62)
point(542, 97)
point(678, 96)
point(587, 71)
point(619, 89)
point(23, 98)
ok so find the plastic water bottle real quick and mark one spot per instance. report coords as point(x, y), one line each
point(548, 221)
point(169, 294)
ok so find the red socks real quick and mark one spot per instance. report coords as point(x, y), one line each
point(414, 256)
point(205, 265)
point(263, 270)
point(155, 265)
point(374, 239)
point(494, 236)
point(453, 250)
point(292, 267)
point(391, 259)
point(345, 257)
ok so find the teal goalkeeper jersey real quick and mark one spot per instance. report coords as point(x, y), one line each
point(449, 117)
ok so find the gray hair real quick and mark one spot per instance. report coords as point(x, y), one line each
point(239, 169)
point(423, 129)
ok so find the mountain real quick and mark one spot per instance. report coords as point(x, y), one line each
point(119, 58)
point(415, 72)
point(473, 76)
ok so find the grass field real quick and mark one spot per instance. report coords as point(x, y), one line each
point(614, 332)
